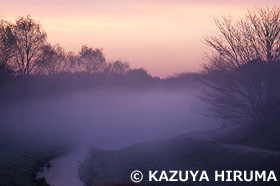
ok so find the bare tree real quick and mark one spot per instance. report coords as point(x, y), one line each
point(6, 45)
point(254, 37)
point(6, 55)
point(243, 74)
point(91, 60)
point(53, 59)
point(72, 64)
point(29, 40)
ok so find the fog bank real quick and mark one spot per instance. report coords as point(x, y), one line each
point(109, 119)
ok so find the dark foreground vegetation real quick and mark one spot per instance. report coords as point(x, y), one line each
point(19, 164)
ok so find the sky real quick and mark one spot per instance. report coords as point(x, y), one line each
point(163, 36)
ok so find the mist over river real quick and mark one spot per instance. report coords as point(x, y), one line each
point(109, 119)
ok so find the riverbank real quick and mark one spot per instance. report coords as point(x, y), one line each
point(202, 151)
point(19, 164)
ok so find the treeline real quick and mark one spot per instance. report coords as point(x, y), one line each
point(30, 65)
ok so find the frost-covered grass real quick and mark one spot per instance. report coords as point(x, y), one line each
point(195, 151)
point(19, 164)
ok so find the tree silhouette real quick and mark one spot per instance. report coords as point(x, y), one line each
point(118, 67)
point(254, 37)
point(91, 60)
point(243, 74)
point(6, 46)
point(53, 59)
point(139, 77)
point(29, 40)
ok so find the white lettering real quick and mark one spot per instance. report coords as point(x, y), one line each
point(217, 175)
point(204, 176)
point(246, 176)
point(173, 175)
point(271, 176)
point(237, 174)
point(228, 175)
point(181, 176)
point(163, 176)
point(152, 175)
point(260, 176)
point(194, 174)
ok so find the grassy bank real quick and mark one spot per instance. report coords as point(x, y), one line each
point(193, 151)
point(20, 164)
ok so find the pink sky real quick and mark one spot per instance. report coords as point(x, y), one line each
point(163, 36)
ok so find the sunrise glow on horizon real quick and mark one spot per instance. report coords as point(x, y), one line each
point(164, 37)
